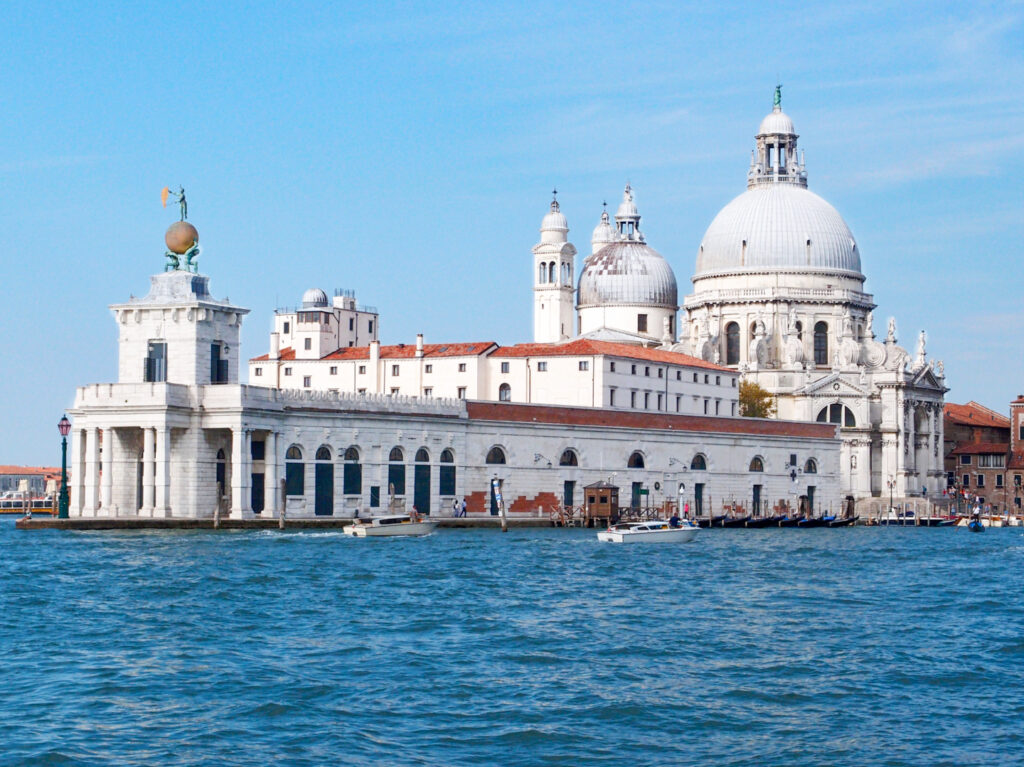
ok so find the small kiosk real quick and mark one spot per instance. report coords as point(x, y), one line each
point(602, 502)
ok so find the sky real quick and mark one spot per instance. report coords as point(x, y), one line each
point(407, 151)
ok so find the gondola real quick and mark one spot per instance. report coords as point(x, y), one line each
point(713, 522)
point(790, 521)
point(736, 521)
point(764, 521)
point(812, 522)
point(834, 522)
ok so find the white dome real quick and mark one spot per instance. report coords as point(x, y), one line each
point(777, 121)
point(554, 220)
point(778, 227)
point(627, 273)
point(604, 231)
point(314, 297)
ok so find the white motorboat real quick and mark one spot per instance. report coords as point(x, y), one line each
point(391, 525)
point(651, 531)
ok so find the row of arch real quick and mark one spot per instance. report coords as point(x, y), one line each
point(548, 271)
point(732, 341)
point(569, 457)
point(397, 455)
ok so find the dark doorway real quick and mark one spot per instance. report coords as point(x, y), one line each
point(757, 500)
point(698, 499)
point(257, 493)
point(810, 499)
point(138, 488)
point(568, 493)
point(324, 503)
point(421, 488)
point(635, 497)
point(494, 502)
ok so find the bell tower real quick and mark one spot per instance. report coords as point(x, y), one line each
point(554, 273)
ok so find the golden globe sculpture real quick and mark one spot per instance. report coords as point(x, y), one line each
point(180, 237)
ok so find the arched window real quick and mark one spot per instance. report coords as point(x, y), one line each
point(504, 393)
point(636, 460)
point(566, 274)
point(811, 467)
point(542, 272)
point(495, 455)
point(294, 471)
point(837, 413)
point(422, 456)
point(447, 472)
point(396, 471)
point(323, 453)
point(699, 463)
point(352, 481)
point(820, 343)
point(732, 344)
point(756, 463)
point(551, 272)
point(568, 458)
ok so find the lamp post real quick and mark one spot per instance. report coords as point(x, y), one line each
point(63, 426)
point(892, 484)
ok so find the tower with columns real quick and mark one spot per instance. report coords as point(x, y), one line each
point(554, 272)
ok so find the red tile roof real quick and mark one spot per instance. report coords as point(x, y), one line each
point(397, 351)
point(631, 419)
point(980, 448)
point(975, 414)
point(586, 347)
point(30, 470)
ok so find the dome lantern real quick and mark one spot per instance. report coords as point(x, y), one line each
point(627, 217)
point(775, 157)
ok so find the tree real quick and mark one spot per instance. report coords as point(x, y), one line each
point(756, 401)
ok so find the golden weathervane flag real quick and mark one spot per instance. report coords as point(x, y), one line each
point(163, 195)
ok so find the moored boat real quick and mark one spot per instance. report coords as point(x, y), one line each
point(389, 526)
point(651, 531)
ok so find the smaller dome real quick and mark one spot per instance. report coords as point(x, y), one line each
point(181, 236)
point(554, 220)
point(627, 208)
point(314, 297)
point(777, 121)
point(627, 273)
point(604, 233)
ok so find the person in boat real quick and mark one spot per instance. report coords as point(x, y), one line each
point(673, 520)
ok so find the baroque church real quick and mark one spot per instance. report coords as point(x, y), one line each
point(778, 295)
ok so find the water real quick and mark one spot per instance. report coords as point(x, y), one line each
point(788, 647)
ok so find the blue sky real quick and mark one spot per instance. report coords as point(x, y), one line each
point(408, 150)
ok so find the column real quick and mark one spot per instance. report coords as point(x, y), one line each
point(271, 492)
point(76, 470)
point(148, 450)
point(92, 470)
point(240, 473)
point(162, 477)
point(107, 473)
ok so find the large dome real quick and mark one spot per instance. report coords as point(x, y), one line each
point(627, 273)
point(778, 227)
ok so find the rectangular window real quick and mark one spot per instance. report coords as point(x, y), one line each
point(999, 480)
point(287, 328)
point(1020, 434)
point(718, 380)
point(374, 496)
point(695, 378)
point(991, 461)
point(362, 370)
point(446, 479)
point(733, 409)
point(1016, 480)
point(734, 383)
point(308, 344)
point(394, 390)
point(661, 373)
point(218, 366)
point(351, 323)
point(287, 371)
point(611, 398)
point(679, 403)
point(462, 367)
point(461, 392)
point(428, 368)
point(611, 367)
point(659, 399)
point(428, 392)
point(706, 404)
point(965, 460)
point(641, 323)
point(259, 371)
point(307, 381)
point(981, 480)
point(584, 365)
point(258, 450)
point(369, 326)
point(504, 367)
point(352, 479)
point(155, 370)
point(334, 370)
point(967, 480)
point(792, 459)
point(647, 400)
point(717, 403)
point(647, 370)
point(542, 367)
point(632, 399)
point(293, 479)
point(707, 378)
point(394, 370)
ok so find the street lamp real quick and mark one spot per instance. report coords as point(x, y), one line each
point(64, 426)
point(891, 483)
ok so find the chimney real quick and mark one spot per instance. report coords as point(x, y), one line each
point(275, 346)
point(374, 352)
point(419, 344)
